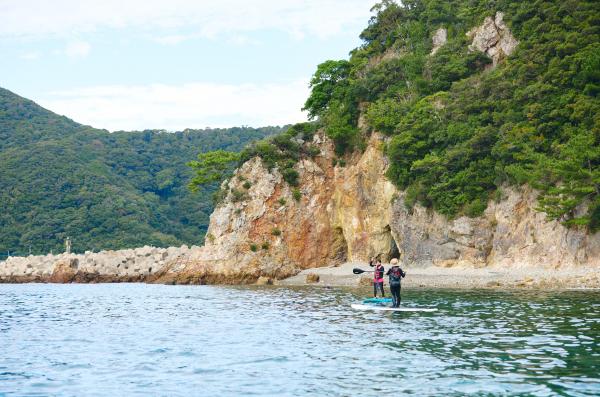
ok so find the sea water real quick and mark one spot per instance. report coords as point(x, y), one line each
point(156, 340)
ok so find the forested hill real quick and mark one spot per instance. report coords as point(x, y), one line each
point(105, 190)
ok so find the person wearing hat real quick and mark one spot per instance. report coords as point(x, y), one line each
point(396, 274)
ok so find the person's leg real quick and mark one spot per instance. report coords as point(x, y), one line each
point(399, 295)
point(382, 292)
point(394, 295)
point(374, 289)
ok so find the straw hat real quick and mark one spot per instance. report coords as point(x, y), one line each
point(394, 261)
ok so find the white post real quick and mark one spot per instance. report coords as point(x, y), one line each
point(68, 245)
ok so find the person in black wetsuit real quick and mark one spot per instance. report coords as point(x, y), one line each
point(377, 276)
point(396, 274)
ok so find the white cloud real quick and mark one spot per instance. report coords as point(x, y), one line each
point(243, 41)
point(173, 39)
point(176, 107)
point(34, 18)
point(78, 49)
point(30, 56)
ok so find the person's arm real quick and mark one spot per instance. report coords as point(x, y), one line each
point(402, 273)
point(388, 272)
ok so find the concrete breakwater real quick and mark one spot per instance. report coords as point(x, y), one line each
point(144, 264)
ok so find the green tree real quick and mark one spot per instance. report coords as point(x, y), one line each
point(569, 178)
point(326, 82)
point(212, 167)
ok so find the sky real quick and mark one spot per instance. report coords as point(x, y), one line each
point(173, 64)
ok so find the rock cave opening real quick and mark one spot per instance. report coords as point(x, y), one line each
point(339, 248)
point(393, 252)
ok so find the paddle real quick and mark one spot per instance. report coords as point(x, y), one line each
point(360, 271)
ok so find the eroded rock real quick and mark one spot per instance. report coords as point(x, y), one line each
point(440, 37)
point(312, 278)
point(264, 281)
point(510, 233)
point(493, 38)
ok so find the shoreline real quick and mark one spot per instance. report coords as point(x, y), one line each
point(571, 278)
point(155, 266)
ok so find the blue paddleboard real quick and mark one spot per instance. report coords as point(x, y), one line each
point(393, 309)
point(377, 300)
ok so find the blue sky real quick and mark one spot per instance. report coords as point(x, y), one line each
point(174, 64)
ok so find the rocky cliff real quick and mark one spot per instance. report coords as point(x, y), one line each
point(337, 214)
point(350, 213)
point(511, 233)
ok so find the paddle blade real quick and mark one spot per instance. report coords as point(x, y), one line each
point(357, 270)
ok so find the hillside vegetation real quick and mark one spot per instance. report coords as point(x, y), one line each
point(105, 190)
point(460, 128)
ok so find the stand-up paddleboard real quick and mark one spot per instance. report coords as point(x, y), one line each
point(377, 300)
point(392, 309)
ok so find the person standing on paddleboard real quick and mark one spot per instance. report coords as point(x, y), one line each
point(377, 277)
point(396, 274)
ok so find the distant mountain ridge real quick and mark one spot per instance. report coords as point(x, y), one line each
point(59, 178)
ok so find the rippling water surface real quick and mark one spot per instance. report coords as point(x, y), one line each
point(136, 339)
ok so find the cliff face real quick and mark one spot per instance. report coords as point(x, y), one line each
point(341, 214)
point(353, 212)
point(511, 233)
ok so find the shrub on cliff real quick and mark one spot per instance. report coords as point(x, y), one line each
point(212, 167)
point(297, 194)
point(284, 150)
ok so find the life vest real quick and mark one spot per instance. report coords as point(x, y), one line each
point(395, 274)
point(378, 274)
